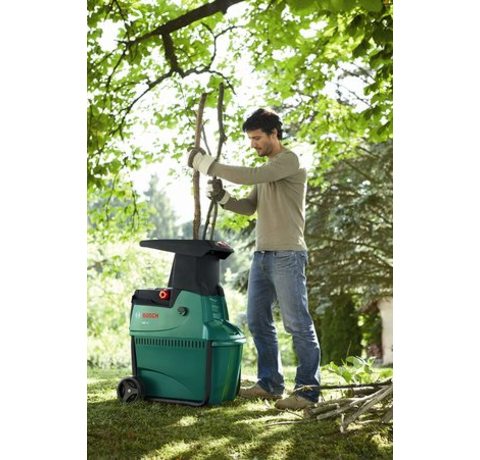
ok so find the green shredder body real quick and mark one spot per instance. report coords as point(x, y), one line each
point(184, 349)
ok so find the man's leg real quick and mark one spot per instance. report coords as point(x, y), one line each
point(290, 286)
point(261, 296)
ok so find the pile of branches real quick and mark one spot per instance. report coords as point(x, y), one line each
point(368, 404)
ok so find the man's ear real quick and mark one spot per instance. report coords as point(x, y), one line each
point(274, 131)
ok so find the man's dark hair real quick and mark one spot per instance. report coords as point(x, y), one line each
point(263, 119)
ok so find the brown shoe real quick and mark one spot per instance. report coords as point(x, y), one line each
point(294, 402)
point(256, 392)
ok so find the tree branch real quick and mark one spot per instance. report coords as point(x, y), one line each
point(170, 54)
point(109, 79)
point(359, 171)
point(187, 19)
point(127, 110)
point(354, 94)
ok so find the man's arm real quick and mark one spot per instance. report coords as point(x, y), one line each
point(284, 165)
point(246, 206)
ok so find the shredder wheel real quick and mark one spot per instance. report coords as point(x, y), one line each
point(129, 390)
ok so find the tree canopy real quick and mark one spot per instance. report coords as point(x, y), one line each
point(305, 54)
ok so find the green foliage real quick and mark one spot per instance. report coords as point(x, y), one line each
point(340, 332)
point(349, 229)
point(353, 370)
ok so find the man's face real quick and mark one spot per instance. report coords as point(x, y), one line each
point(262, 142)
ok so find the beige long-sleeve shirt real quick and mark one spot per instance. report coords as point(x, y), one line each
point(278, 197)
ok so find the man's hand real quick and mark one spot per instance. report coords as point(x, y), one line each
point(199, 160)
point(216, 192)
point(194, 152)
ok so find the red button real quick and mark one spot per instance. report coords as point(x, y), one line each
point(164, 294)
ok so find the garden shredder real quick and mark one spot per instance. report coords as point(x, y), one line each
point(183, 348)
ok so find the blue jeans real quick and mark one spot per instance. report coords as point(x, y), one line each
point(280, 275)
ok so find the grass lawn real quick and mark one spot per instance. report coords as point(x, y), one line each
point(239, 429)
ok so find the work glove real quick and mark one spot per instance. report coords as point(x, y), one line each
point(199, 160)
point(216, 192)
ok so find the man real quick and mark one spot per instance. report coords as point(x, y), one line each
point(278, 267)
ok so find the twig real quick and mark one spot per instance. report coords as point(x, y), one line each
point(356, 385)
point(293, 413)
point(221, 132)
point(339, 411)
point(288, 422)
point(214, 220)
point(309, 411)
point(204, 136)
